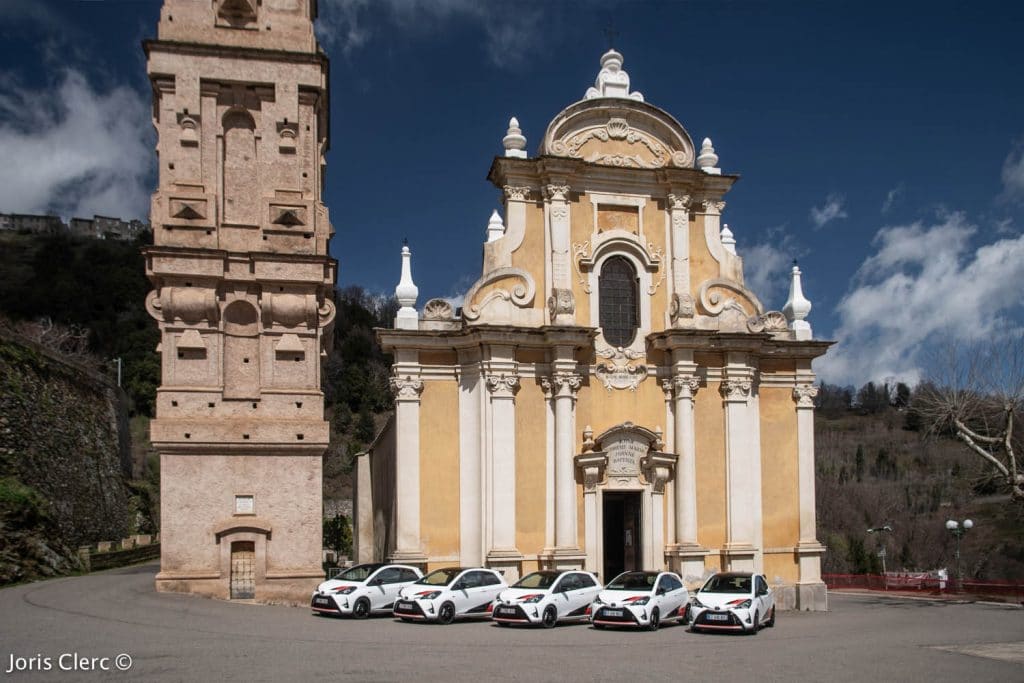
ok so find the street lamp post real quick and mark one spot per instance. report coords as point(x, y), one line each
point(881, 552)
point(958, 529)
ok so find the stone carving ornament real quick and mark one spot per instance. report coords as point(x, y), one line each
point(620, 374)
point(502, 385)
point(520, 295)
point(407, 388)
point(772, 322)
point(804, 395)
point(737, 389)
point(438, 309)
point(561, 302)
point(519, 194)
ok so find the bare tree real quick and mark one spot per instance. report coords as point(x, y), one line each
point(977, 394)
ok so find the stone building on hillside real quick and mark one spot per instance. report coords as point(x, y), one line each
point(612, 395)
point(243, 295)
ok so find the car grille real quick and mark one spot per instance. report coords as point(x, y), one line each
point(509, 613)
point(615, 615)
point(408, 608)
point(714, 619)
point(324, 603)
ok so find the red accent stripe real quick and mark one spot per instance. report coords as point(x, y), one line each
point(726, 628)
point(615, 623)
point(325, 609)
point(517, 620)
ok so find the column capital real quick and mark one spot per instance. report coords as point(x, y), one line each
point(406, 387)
point(804, 395)
point(686, 385)
point(502, 385)
point(556, 193)
point(736, 389)
point(564, 383)
point(678, 202)
point(713, 206)
point(516, 193)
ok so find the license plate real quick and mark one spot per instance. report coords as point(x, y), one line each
point(613, 612)
point(404, 605)
point(506, 610)
point(718, 617)
point(323, 602)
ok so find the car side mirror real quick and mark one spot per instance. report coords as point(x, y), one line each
point(459, 587)
point(661, 591)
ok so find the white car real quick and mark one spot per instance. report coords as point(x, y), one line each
point(363, 589)
point(643, 599)
point(444, 594)
point(547, 597)
point(733, 601)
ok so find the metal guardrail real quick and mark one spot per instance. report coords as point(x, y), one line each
point(895, 581)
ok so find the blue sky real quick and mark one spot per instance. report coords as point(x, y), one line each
point(881, 144)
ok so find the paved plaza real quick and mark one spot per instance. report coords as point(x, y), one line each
point(176, 637)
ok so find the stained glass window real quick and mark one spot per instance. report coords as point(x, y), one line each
point(617, 296)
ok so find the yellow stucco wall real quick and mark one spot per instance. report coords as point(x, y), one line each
point(779, 467)
point(530, 254)
point(439, 468)
point(581, 228)
point(781, 565)
point(654, 241)
point(703, 265)
point(602, 409)
point(709, 418)
point(531, 468)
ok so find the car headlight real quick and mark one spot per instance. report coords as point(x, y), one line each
point(741, 604)
point(345, 590)
point(639, 601)
point(532, 599)
point(429, 596)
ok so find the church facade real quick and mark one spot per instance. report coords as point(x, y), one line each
point(242, 294)
point(610, 396)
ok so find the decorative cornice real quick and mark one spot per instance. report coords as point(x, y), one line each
point(407, 388)
point(804, 395)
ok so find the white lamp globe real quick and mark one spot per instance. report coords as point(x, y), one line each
point(951, 525)
point(968, 524)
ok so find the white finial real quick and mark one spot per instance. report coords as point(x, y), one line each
point(406, 292)
point(612, 81)
point(797, 307)
point(495, 228)
point(728, 241)
point(514, 140)
point(708, 160)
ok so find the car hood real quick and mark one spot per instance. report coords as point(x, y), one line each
point(335, 584)
point(721, 600)
point(621, 597)
point(513, 595)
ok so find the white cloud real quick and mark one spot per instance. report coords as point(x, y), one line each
point(924, 282)
point(766, 267)
point(510, 31)
point(832, 210)
point(1013, 175)
point(891, 197)
point(74, 150)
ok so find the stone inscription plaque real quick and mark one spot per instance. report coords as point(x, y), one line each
point(245, 505)
point(624, 457)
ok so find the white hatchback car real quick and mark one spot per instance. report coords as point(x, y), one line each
point(643, 599)
point(733, 601)
point(444, 594)
point(363, 589)
point(547, 597)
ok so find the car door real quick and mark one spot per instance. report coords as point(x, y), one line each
point(384, 587)
point(671, 594)
point(579, 593)
point(466, 592)
point(562, 592)
point(493, 586)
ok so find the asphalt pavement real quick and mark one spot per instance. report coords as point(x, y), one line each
point(113, 625)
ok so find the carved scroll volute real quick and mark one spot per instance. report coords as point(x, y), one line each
point(736, 390)
point(591, 467)
point(326, 313)
point(657, 469)
point(191, 305)
point(502, 385)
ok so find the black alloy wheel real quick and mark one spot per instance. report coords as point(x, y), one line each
point(446, 614)
point(550, 617)
point(655, 621)
point(361, 609)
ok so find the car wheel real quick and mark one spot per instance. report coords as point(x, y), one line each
point(771, 620)
point(361, 609)
point(757, 624)
point(655, 621)
point(550, 617)
point(446, 614)
point(686, 616)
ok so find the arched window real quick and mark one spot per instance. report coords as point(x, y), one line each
point(618, 301)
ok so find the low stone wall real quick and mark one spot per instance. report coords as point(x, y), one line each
point(110, 554)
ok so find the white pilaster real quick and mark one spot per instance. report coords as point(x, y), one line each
point(811, 591)
point(557, 201)
point(742, 467)
point(502, 385)
point(682, 311)
point(408, 388)
point(471, 545)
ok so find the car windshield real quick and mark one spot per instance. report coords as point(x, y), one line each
point(440, 577)
point(632, 581)
point(542, 580)
point(727, 583)
point(360, 572)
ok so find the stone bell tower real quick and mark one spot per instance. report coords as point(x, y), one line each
point(242, 292)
